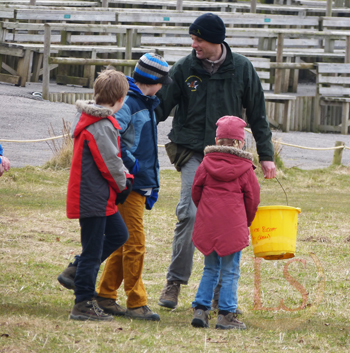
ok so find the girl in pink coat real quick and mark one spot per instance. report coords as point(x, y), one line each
point(227, 194)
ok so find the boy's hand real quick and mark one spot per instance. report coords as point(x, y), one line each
point(121, 197)
point(5, 163)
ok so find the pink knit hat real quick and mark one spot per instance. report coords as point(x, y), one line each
point(230, 127)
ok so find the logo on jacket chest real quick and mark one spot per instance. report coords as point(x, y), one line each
point(193, 82)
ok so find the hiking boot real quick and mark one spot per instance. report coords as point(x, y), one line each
point(89, 310)
point(109, 306)
point(142, 313)
point(215, 306)
point(169, 295)
point(66, 278)
point(200, 318)
point(229, 322)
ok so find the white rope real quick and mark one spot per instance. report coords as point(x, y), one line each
point(308, 148)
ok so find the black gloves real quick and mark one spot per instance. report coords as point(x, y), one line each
point(121, 197)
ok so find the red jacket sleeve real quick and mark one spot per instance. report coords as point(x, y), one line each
point(198, 183)
point(251, 190)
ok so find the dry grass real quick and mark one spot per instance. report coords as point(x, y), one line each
point(37, 242)
point(62, 151)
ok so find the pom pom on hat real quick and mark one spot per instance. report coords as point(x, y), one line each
point(152, 69)
point(230, 127)
point(209, 27)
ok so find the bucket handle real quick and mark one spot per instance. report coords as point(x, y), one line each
point(280, 186)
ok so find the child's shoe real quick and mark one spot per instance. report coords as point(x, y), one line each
point(200, 318)
point(66, 278)
point(89, 310)
point(109, 306)
point(142, 313)
point(229, 322)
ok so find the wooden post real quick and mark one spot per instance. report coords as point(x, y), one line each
point(104, 3)
point(253, 6)
point(279, 59)
point(179, 6)
point(128, 49)
point(23, 67)
point(338, 153)
point(46, 65)
point(32, 2)
point(329, 8)
point(347, 50)
point(345, 118)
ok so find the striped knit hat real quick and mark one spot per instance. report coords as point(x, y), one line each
point(152, 69)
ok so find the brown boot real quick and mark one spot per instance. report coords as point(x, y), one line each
point(169, 295)
point(229, 322)
point(66, 278)
point(109, 306)
point(142, 313)
point(89, 310)
point(200, 318)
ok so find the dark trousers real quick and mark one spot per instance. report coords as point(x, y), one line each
point(100, 237)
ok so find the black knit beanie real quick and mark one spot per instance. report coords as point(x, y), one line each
point(209, 27)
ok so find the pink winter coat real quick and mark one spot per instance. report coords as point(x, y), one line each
point(227, 194)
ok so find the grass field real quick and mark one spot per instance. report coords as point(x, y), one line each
point(37, 242)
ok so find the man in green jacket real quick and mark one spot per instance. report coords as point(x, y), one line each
point(207, 84)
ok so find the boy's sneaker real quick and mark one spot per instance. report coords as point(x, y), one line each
point(200, 318)
point(169, 295)
point(66, 278)
point(142, 313)
point(109, 306)
point(89, 310)
point(229, 322)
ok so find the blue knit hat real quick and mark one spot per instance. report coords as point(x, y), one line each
point(209, 27)
point(152, 69)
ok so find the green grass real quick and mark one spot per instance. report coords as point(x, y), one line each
point(37, 242)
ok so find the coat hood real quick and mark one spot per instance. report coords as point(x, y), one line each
point(226, 163)
point(89, 113)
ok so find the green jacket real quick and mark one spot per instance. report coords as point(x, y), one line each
point(201, 99)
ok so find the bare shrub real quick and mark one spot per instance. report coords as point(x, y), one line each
point(62, 149)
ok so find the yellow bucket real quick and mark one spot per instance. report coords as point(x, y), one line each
point(274, 232)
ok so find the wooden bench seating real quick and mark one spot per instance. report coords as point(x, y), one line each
point(234, 6)
point(7, 14)
point(66, 15)
point(332, 89)
point(67, 3)
point(112, 41)
point(231, 19)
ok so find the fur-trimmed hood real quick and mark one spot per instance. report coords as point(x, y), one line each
point(89, 113)
point(228, 149)
point(226, 163)
point(91, 108)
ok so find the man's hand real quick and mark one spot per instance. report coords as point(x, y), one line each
point(269, 169)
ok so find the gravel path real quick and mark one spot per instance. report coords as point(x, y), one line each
point(26, 117)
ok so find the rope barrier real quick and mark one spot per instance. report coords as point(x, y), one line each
point(39, 140)
point(248, 130)
point(308, 148)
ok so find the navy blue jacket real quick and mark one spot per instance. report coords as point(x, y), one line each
point(139, 137)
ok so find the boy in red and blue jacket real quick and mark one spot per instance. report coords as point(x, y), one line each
point(98, 180)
